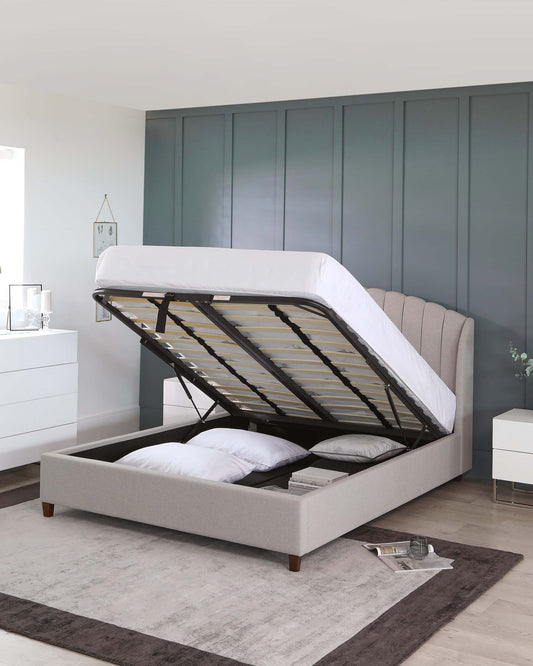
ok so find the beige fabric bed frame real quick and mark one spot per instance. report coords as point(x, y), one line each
point(285, 523)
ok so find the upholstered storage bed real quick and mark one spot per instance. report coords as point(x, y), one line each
point(290, 344)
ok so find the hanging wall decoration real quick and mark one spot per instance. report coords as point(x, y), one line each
point(104, 231)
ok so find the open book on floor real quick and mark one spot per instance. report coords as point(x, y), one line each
point(396, 556)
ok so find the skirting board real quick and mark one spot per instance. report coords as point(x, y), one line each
point(110, 424)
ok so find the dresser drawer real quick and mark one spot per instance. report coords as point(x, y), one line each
point(38, 383)
point(36, 350)
point(28, 447)
point(512, 466)
point(32, 415)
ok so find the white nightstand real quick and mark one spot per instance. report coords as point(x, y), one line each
point(177, 407)
point(512, 457)
point(38, 394)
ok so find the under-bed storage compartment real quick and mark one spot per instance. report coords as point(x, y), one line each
point(305, 437)
point(291, 524)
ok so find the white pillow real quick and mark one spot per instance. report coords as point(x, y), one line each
point(189, 461)
point(358, 448)
point(265, 452)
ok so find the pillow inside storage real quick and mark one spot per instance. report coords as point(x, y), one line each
point(358, 448)
point(185, 460)
point(265, 452)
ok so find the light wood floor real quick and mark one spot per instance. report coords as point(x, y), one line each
point(496, 630)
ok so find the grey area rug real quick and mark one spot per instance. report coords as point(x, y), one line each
point(137, 595)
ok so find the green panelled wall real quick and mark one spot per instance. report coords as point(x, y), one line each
point(423, 192)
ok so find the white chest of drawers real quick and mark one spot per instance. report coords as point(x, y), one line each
point(512, 457)
point(38, 394)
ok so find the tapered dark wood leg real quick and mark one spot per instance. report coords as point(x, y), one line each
point(458, 478)
point(48, 509)
point(295, 562)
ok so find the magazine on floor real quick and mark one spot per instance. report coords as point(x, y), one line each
point(396, 556)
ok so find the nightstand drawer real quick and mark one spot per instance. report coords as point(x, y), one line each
point(512, 466)
point(173, 394)
point(513, 431)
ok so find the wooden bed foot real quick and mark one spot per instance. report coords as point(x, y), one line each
point(294, 562)
point(458, 478)
point(48, 509)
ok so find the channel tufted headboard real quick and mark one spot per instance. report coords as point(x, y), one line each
point(444, 338)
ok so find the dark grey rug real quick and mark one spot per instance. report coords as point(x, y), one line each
point(387, 641)
point(19, 495)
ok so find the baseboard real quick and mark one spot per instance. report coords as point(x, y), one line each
point(106, 425)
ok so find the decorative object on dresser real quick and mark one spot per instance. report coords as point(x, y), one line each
point(30, 307)
point(46, 308)
point(512, 457)
point(38, 394)
point(24, 313)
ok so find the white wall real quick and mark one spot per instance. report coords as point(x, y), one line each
point(11, 223)
point(75, 153)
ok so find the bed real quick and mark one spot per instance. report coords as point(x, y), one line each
point(288, 344)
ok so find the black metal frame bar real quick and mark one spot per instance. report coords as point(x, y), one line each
point(340, 428)
point(434, 430)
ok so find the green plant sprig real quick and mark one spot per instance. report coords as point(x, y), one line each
point(525, 364)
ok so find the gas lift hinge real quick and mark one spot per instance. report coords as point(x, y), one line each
point(201, 421)
point(201, 417)
point(186, 390)
point(422, 430)
point(419, 437)
point(394, 411)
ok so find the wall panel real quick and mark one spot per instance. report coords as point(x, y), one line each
point(309, 180)
point(425, 192)
point(430, 200)
point(160, 160)
point(368, 150)
point(254, 180)
point(203, 182)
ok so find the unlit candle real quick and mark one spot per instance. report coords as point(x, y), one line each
point(46, 301)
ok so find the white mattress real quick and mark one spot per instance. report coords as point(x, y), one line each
point(310, 275)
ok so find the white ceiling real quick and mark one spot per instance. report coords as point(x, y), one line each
point(156, 54)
